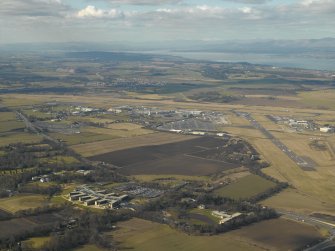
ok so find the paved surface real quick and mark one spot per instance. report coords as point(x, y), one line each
point(35, 129)
point(305, 164)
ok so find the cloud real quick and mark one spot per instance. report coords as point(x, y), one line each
point(248, 1)
point(142, 2)
point(33, 8)
point(301, 18)
point(92, 12)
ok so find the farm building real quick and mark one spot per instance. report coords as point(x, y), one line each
point(327, 129)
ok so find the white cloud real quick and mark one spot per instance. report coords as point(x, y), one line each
point(33, 8)
point(249, 1)
point(306, 17)
point(143, 2)
point(92, 12)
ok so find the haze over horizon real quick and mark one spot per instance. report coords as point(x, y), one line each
point(25, 21)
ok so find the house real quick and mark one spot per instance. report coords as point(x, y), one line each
point(327, 129)
point(224, 217)
point(202, 206)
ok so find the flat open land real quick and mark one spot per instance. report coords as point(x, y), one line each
point(11, 126)
point(172, 158)
point(27, 224)
point(107, 146)
point(277, 234)
point(142, 235)
point(292, 199)
point(22, 202)
point(7, 116)
point(245, 187)
point(81, 138)
point(11, 227)
point(10, 138)
point(280, 234)
point(36, 242)
point(89, 248)
point(119, 133)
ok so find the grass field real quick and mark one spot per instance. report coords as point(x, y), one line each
point(36, 242)
point(22, 202)
point(278, 234)
point(120, 133)
point(245, 187)
point(7, 116)
point(10, 227)
point(300, 144)
point(89, 248)
point(37, 114)
point(11, 138)
point(148, 178)
point(11, 125)
point(141, 235)
point(168, 159)
point(59, 160)
point(106, 146)
point(82, 138)
point(293, 200)
point(207, 213)
point(322, 99)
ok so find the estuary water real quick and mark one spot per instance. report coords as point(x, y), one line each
point(316, 62)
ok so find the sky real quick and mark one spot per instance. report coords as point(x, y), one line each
point(164, 20)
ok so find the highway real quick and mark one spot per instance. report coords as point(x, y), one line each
point(303, 163)
point(35, 129)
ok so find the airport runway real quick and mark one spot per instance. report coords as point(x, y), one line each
point(304, 163)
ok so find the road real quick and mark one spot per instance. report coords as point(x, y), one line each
point(305, 164)
point(38, 131)
point(34, 128)
point(328, 243)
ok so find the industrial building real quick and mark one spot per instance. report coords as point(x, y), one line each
point(100, 198)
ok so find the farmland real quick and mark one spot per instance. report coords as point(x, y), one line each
point(172, 158)
point(11, 227)
point(143, 235)
point(22, 202)
point(140, 235)
point(107, 146)
point(245, 187)
point(176, 139)
point(280, 234)
point(82, 138)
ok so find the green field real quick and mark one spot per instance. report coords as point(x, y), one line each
point(36, 242)
point(89, 248)
point(82, 138)
point(22, 202)
point(11, 125)
point(7, 116)
point(142, 235)
point(11, 138)
point(59, 160)
point(245, 187)
point(37, 114)
point(205, 212)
